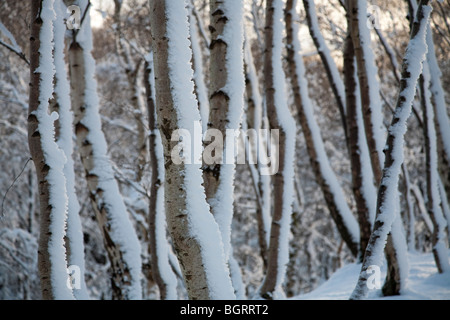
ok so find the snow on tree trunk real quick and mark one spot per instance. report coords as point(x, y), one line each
point(439, 241)
point(119, 236)
point(396, 257)
point(227, 84)
point(331, 69)
point(197, 61)
point(410, 209)
point(373, 122)
point(362, 178)
point(75, 244)
point(253, 116)
point(159, 246)
point(444, 203)
point(48, 158)
point(280, 119)
point(440, 109)
point(388, 190)
point(325, 177)
point(195, 233)
point(226, 101)
point(368, 84)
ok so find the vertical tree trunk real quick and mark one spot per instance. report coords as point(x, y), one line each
point(195, 233)
point(119, 237)
point(434, 208)
point(361, 187)
point(47, 157)
point(283, 181)
point(226, 100)
point(370, 98)
point(158, 246)
point(261, 182)
point(387, 193)
point(325, 177)
point(74, 239)
point(440, 110)
point(201, 90)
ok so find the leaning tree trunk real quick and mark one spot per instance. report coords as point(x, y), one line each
point(325, 177)
point(195, 233)
point(336, 84)
point(280, 119)
point(119, 237)
point(388, 190)
point(373, 124)
point(48, 158)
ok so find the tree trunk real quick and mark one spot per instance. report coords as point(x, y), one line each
point(261, 182)
point(158, 245)
point(442, 121)
point(201, 91)
point(119, 237)
point(356, 142)
point(371, 106)
point(434, 208)
point(337, 86)
point(387, 193)
point(47, 157)
point(74, 239)
point(226, 100)
point(373, 118)
point(199, 250)
point(325, 177)
point(280, 119)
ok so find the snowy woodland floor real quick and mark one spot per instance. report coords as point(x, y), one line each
point(424, 283)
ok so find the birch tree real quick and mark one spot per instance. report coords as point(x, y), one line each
point(440, 110)
point(158, 246)
point(333, 75)
point(387, 193)
point(280, 119)
point(325, 177)
point(368, 84)
point(48, 158)
point(254, 115)
point(201, 90)
point(362, 177)
point(373, 124)
point(74, 242)
point(196, 235)
point(439, 241)
point(119, 237)
point(226, 100)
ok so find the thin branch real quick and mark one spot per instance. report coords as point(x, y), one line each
point(14, 50)
point(75, 31)
point(438, 28)
point(2, 215)
point(443, 15)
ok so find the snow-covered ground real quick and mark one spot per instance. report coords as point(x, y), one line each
point(423, 283)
